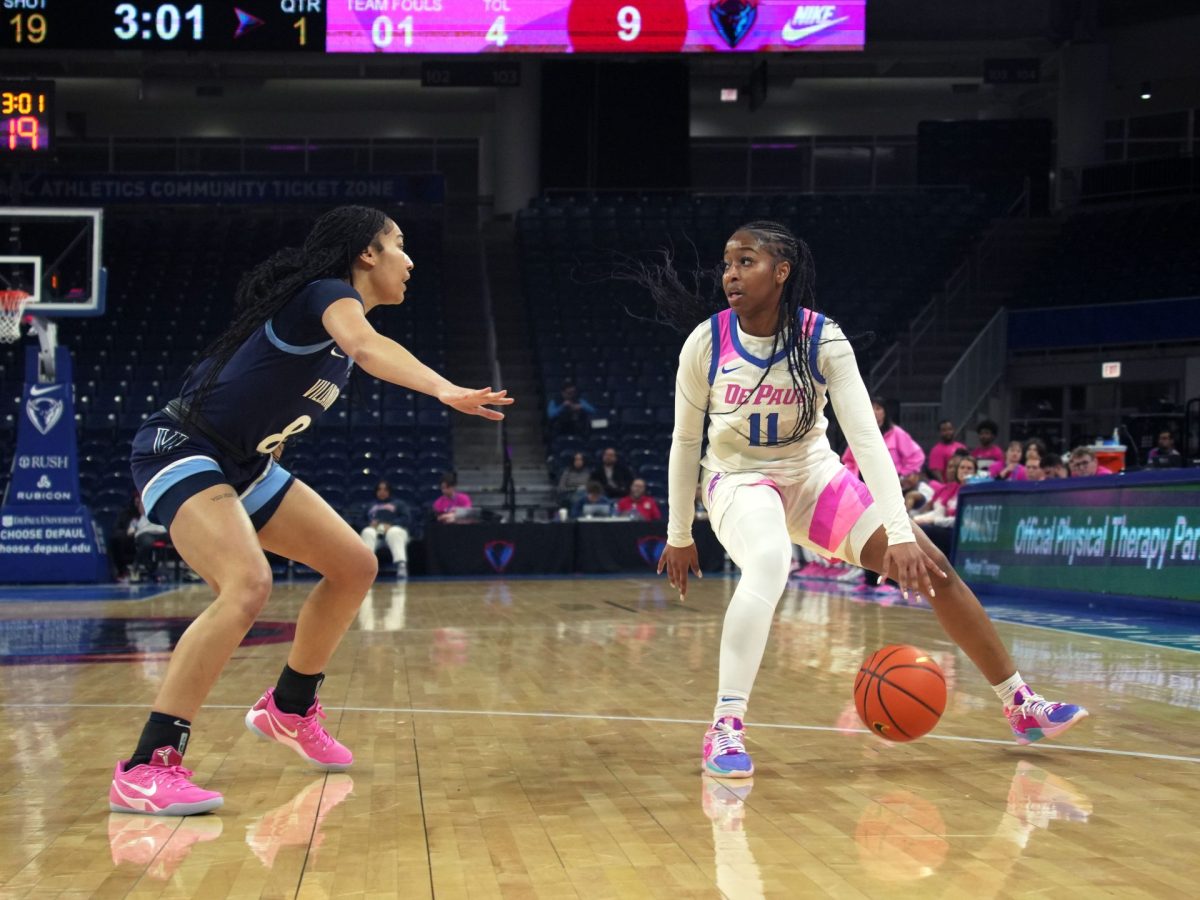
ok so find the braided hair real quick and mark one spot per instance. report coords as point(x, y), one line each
point(683, 305)
point(335, 241)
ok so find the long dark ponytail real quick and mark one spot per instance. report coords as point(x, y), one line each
point(329, 251)
point(683, 305)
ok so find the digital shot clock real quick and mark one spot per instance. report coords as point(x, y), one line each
point(26, 117)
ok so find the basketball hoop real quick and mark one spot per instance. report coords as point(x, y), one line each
point(12, 308)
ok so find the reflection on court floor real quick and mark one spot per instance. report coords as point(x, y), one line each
point(542, 738)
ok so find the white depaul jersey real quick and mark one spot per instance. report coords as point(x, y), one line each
point(720, 370)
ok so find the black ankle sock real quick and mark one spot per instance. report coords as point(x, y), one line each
point(295, 693)
point(161, 730)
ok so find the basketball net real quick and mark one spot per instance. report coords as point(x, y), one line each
point(12, 307)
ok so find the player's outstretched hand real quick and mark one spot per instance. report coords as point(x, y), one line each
point(677, 561)
point(475, 403)
point(911, 567)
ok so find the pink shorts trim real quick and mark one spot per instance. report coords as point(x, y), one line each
point(839, 507)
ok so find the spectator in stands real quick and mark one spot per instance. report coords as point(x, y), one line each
point(1035, 451)
point(122, 550)
point(1053, 467)
point(938, 520)
point(387, 521)
point(906, 453)
point(922, 495)
point(1034, 470)
point(987, 449)
point(613, 474)
point(453, 505)
point(145, 535)
point(1084, 463)
point(639, 504)
point(1012, 470)
point(1164, 454)
point(204, 466)
point(571, 414)
point(593, 504)
point(573, 481)
point(941, 452)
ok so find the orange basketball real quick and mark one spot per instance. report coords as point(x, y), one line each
point(900, 692)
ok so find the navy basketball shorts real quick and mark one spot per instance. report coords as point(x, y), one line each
point(171, 466)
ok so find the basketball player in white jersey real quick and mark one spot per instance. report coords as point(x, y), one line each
point(761, 370)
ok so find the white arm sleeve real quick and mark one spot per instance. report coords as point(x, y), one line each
point(852, 404)
point(691, 402)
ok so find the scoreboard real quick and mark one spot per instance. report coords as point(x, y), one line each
point(436, 26)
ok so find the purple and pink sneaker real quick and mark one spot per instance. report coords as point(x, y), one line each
point(304, 734)
point(160, 787)
point(725, 753)
point(1035, 717)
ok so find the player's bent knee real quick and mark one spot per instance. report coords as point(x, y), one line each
point(769, 562)
point(248, 591)
point(359, 567)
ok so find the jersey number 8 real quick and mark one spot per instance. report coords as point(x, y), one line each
point(272, 441)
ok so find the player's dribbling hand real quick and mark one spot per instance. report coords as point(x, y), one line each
point(912, 568)
point(475, 403)
point(677, 561)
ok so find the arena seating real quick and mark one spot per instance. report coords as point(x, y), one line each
point(1117, 254)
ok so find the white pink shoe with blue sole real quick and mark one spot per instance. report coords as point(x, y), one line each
point(1037, 718)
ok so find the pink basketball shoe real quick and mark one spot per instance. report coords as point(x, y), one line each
point(1035, 717)
point(725, 753)
point(159, 788)
point(304, 734)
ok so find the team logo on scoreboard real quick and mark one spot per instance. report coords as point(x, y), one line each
point(44, 412)
point(733, 18)
point(499, 554)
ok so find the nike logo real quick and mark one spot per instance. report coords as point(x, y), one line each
point(148, 792)
point(334, 352)
point(795, 30)
point(725, 370)
point(278, 726)
point(37, 390)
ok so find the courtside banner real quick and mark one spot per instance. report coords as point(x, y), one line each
point(1126, 535)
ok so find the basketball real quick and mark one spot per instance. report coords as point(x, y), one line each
point(900, 692)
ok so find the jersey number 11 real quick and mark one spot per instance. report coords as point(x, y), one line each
point(756, 430)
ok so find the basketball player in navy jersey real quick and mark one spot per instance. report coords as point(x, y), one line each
point(761, 370)
point(207, 468)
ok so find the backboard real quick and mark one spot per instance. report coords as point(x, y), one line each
point(54, 255)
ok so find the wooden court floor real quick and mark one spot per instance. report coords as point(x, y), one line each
point(541, 739)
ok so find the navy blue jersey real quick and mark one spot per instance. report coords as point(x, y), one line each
point(282, 378)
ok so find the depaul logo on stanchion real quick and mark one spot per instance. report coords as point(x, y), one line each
point(44, 412)
point(499, 554)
